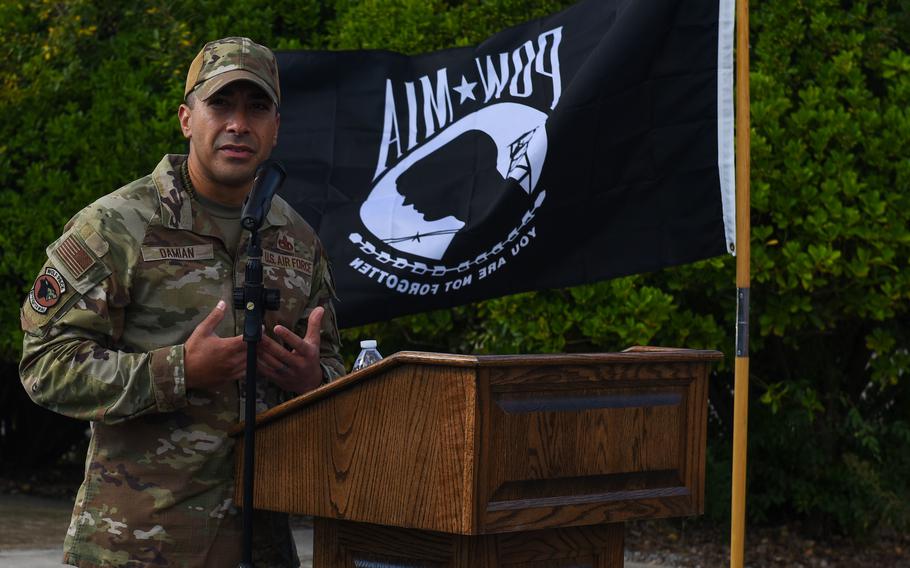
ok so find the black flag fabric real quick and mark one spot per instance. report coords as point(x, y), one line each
point(594, 143)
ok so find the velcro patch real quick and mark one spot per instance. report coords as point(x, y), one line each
point(272, 258)
point(188, 252)
point(94, 241)
point(47, 291)
point(74, 256)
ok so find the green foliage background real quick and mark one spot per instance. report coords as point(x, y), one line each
point(88, 103)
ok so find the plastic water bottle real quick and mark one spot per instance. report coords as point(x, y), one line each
point(368, 354)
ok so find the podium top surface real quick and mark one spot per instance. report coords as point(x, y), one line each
point(638, 354)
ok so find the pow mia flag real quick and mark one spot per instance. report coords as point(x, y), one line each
point(594, 143)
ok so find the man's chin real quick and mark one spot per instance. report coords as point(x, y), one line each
point(236, 176)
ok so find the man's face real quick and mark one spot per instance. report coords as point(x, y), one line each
point(230, 133)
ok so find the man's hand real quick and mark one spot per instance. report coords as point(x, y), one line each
point(210, 361)
point(295, 369)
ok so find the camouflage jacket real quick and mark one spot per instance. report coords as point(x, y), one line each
point(124, 286)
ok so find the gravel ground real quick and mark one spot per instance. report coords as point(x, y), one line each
point(34, 514)
point(694, 544)
point(32, 522)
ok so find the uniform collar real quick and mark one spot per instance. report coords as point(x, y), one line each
point(176, 203)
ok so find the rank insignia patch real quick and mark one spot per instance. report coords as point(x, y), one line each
point(285, 242)
point(47, 291)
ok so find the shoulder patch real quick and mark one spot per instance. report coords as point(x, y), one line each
point(77, 261)
point(50, 294)
point(74, 255)
point(47, 291)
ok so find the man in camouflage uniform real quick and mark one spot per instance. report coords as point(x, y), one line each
point(120, 330)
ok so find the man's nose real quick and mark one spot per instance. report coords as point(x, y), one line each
point(238, 122)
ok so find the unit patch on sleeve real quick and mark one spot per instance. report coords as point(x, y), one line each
point(47, 291)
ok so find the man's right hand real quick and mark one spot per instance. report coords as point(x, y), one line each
point(210, 361)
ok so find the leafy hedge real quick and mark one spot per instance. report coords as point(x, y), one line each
point(89, 99)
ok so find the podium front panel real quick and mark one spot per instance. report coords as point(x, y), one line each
point(581, 445)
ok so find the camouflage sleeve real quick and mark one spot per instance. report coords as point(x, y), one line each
point(73, 320)
point(322, 292)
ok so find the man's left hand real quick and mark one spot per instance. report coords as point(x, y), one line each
point(295, 368)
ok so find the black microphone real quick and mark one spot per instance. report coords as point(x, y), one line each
point(269, 177)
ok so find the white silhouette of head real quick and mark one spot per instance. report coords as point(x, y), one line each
point(405, 228)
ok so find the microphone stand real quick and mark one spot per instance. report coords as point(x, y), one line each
point(254, 300)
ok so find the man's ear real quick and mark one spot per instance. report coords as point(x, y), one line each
point(183, 115)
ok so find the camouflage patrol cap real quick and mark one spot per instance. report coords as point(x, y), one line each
point(231, 59)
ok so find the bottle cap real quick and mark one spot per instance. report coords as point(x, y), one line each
point(368, 344)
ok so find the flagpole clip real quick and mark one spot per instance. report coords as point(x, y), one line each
point(742, 322)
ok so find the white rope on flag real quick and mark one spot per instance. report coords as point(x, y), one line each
point(725, 119)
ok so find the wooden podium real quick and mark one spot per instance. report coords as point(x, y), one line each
point(427, 459)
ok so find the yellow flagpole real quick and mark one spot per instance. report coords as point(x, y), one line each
point(743, 277)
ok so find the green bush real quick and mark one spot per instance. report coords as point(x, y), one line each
point(89, 99)
point(831, 216)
